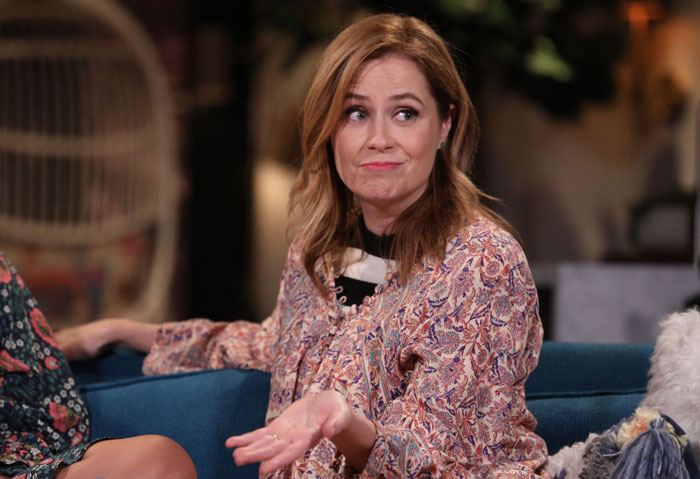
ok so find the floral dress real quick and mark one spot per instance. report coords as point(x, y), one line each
point(43, 420)
point(438, 364)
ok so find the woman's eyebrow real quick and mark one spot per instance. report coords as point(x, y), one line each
point(397, 97)
point(407, 95)
point(356, 96)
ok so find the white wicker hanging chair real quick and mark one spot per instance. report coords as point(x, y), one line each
point(86, 134)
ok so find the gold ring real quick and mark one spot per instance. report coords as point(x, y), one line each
point(275, 437)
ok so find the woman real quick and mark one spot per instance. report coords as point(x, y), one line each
point(44, 423)
point(406, 323)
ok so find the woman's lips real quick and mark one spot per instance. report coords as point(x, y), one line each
point(381, 165)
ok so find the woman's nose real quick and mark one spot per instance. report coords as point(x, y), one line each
point(380, 136)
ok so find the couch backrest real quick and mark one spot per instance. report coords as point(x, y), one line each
point(576, 368)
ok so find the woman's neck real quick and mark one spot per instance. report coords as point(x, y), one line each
point(377, 222)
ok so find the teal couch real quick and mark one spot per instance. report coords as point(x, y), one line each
point(576, 389)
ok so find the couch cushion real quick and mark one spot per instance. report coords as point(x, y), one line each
point(562, 421)
point(198, 410)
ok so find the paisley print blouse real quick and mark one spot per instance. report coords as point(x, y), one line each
point(438, 364)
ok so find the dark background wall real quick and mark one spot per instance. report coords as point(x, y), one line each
point(561, 57)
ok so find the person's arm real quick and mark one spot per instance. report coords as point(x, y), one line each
point(199, 344)
point(86, 341)
point(203, 344)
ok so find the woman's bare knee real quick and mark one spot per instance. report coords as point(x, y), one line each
point(172, 460)
point(140, 457)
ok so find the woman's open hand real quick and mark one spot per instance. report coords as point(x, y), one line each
point(299, 428)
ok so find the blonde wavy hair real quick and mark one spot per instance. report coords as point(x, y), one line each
point(325, 216)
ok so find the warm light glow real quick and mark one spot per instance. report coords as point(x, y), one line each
point(641, 12)
point(637, 13)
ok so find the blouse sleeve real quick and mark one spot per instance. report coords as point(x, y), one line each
point(463, 414)
point(204, 344)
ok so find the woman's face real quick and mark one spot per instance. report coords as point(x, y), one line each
point(386, 144)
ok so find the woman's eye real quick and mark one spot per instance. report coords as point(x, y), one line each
point(355, 114)
point(407, 114)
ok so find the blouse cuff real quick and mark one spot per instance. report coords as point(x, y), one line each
point(172, 343)
point(397, 452)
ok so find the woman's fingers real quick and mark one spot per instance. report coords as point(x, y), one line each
point(261, 450)
point(286, 456)
point(270, 449)
point(247, 438)
point(290, 435)
point(87, 340)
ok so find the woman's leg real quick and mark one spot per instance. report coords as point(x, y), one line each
point(42, 414)
point(141, 457)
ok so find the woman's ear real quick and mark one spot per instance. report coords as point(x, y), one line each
point(447, 124)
